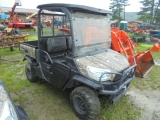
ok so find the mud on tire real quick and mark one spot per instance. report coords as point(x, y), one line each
point(85, 103)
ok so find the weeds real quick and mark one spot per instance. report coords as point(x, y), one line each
point(122, 110)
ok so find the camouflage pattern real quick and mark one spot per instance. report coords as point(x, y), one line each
point(111, 60)
point(27, 50)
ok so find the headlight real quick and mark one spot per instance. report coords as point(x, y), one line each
point(95, 73)
point(7, 110)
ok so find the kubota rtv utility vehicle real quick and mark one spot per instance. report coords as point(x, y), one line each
point(80, 59)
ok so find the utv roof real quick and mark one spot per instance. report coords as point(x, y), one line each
point(74, 8)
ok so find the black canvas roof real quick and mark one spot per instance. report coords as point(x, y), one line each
point(75, 8)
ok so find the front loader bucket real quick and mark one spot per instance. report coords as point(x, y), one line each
point(122, 43)
point(144, 62)
point(156, 47)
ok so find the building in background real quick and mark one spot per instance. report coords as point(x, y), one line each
point(21, 12)
point(134, 24)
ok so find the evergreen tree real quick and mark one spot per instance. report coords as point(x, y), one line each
point(147, 12)
point(157, 14)
point(157, 17)
point(117, 7)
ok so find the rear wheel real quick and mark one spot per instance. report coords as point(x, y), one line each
point(85, 103)
point(29, 74)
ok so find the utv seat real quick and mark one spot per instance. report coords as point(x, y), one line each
point(57, 44)
point(56, 47)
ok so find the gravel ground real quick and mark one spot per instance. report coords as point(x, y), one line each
point(148, 101)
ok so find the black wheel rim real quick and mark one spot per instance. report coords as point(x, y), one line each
point(79, 105)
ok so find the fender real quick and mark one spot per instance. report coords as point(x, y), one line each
point(83, 80)
point(30, 62)
point(27, 58)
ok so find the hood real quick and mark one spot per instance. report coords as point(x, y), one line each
point(111, 60)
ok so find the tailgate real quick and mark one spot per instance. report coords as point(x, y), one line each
point(28, 49)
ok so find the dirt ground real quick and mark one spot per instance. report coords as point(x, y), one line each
point(147, 100)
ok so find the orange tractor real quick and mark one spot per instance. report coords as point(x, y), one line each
point(122, 43)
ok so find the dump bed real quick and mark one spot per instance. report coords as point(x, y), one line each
point(29, 48)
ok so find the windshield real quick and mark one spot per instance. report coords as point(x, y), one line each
point(91, 32)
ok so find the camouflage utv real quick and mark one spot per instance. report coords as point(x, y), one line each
point(80, 58)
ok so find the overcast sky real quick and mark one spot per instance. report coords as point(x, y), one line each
point(103, 4)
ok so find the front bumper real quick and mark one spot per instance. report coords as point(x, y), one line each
point(119, 88)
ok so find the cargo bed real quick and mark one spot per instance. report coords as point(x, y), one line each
point(29, 48)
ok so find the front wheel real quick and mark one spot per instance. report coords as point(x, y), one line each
point(85, 103)
point(29, 73)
